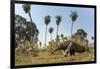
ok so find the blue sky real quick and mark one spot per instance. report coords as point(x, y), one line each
point(84, 21)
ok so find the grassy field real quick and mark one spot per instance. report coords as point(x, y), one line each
point(45, 57)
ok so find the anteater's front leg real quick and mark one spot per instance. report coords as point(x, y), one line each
point(65, 52)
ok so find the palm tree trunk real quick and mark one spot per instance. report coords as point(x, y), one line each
point(31, 28)
point(45, 35)
point(72, 29)
point(30, 16)
point(57, 35)
point(63, 39)
point(51, 39)
point(51, 36)
point(57, 31)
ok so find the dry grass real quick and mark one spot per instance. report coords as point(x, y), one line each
point(45, 57)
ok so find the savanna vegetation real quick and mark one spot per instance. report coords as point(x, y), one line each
point(62, 49)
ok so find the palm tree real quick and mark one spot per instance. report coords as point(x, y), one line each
point(47, 20)
point(73, 17)
point(26, 8)
point(51, 31)
point(62, 37)
point(58, 20)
